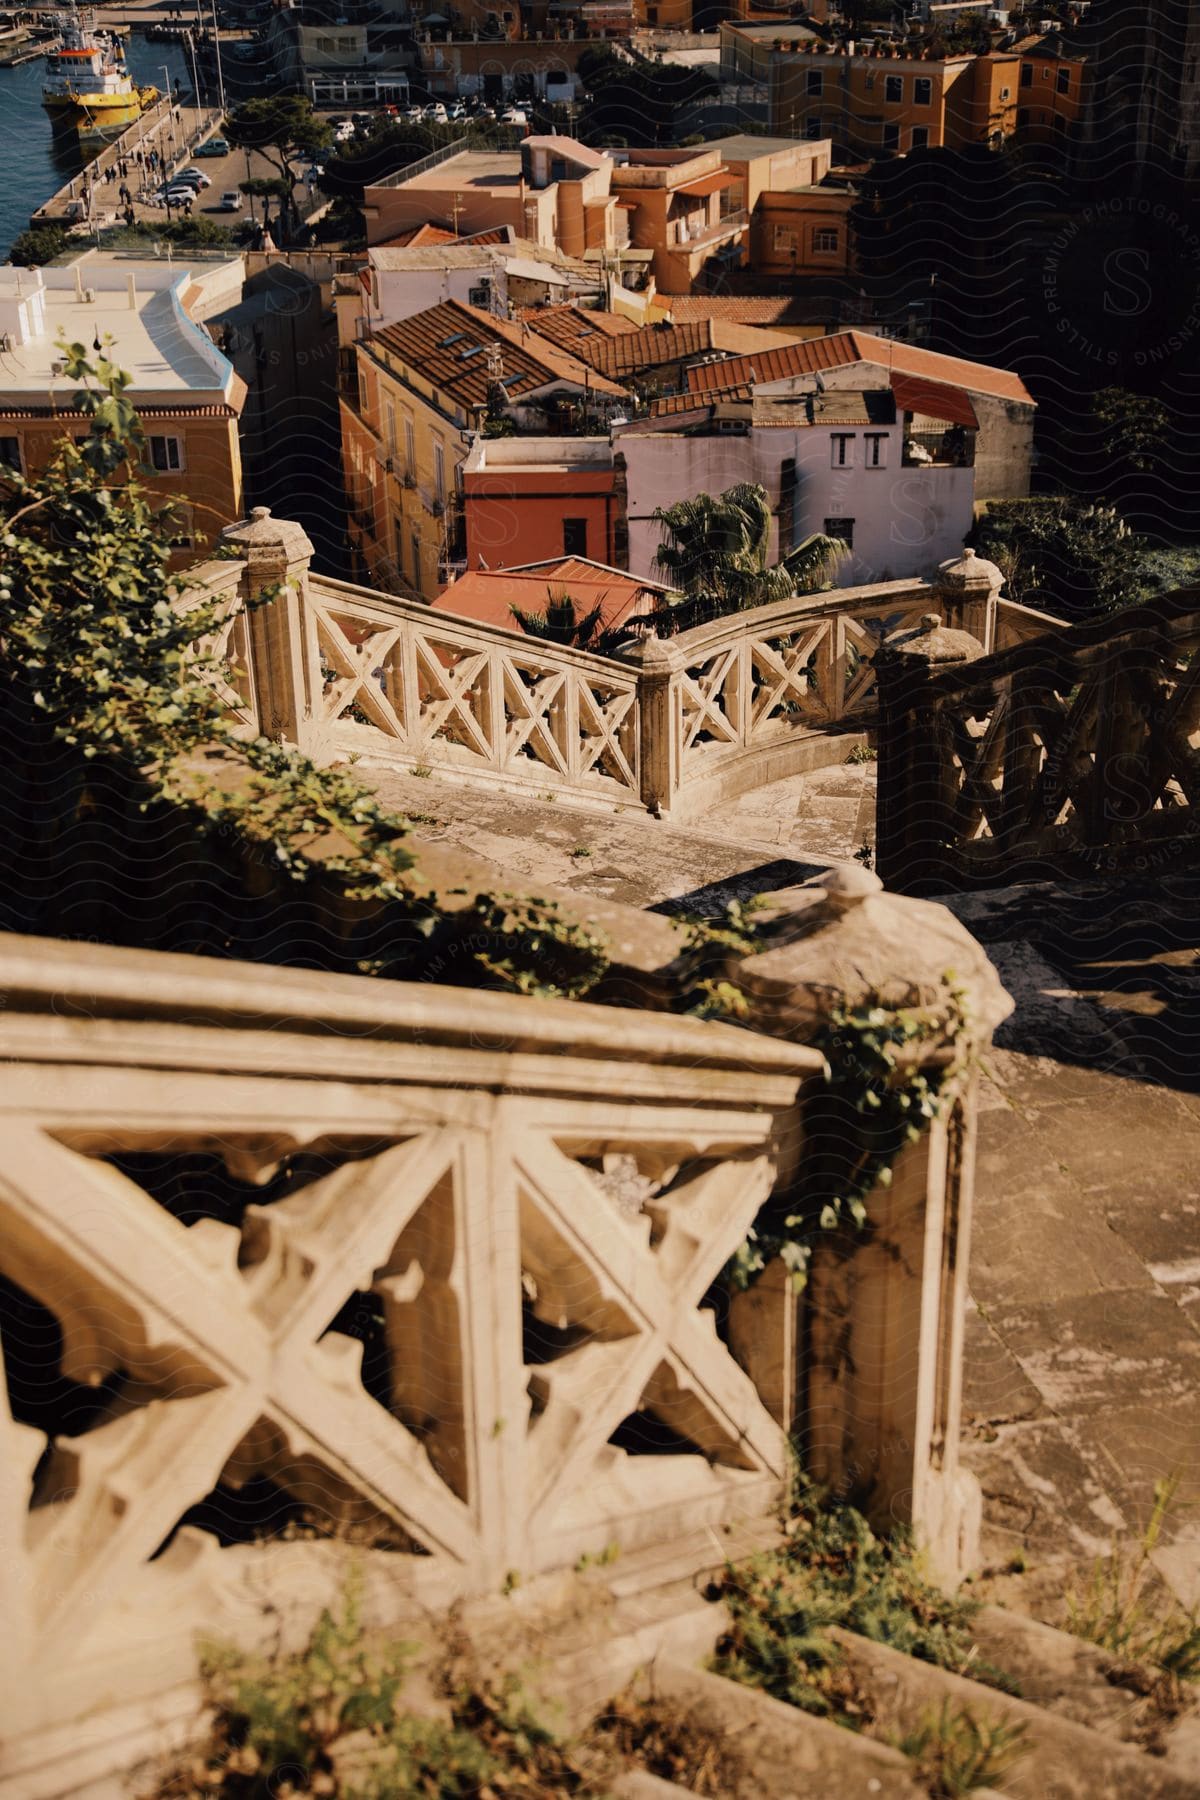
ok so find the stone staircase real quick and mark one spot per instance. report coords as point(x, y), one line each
point(1083, 1360)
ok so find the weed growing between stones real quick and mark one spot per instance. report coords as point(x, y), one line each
point(355, 1715)
point(1116, 1608)
point(955, 1753)
point(833, 1570)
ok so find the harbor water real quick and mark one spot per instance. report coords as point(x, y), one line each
point(35, 160)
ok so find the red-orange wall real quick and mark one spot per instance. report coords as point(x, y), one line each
point(517, 516)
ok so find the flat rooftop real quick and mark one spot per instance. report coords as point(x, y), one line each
point(164, 352)
point(470, 168)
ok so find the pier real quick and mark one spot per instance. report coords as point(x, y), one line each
point(173, 131)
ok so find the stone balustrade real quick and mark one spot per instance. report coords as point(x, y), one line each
point(668, 726)
point(292, 1258)
point(1071, 750)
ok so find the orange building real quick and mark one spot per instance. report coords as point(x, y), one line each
point(530, 499)
point(882, 99)
point(187, 393)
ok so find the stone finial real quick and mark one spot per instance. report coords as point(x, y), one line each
point(261, 535)
point(840, 939)
point(969, 575)
point(933, 642)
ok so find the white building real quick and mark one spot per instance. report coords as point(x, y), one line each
point(849, 463)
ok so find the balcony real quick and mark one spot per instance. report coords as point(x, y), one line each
point(729, 226)
point(949, 448)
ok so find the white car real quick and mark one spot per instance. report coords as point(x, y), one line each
point(197, 176)
point(345, 132)
point(513, 116)
point(231, 201)
point(436, 113)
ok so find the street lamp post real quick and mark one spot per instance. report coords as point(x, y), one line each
point(217, 53)
point(191, 43)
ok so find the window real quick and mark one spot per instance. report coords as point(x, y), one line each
point(891, 137)
point(812, 82)
point(893, 89)
point(1023, 117)
point(575, 537)
point(812, 128)
point(390, 424)
point(364, 393)
point(874, 453)
point(784, 238)
point(439, 471)
point(1026, 74)
point(842, 529)
point(410, 447)
point(10, 453)
point(920, 137)
point(841, 454)
point(414, 544)
point(922, 91)
point(166, 455)
point(1064, 81)
point(1006, 93)
point(825, 239)
point(1045, 74)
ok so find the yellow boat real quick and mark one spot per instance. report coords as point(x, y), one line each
point(88, 88)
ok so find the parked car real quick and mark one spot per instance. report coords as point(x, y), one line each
point(513, 115)
point(436, 112)
point(196, 175)
point(215, 147)
point(231, 200)
point(456, 112)
point(344, 133)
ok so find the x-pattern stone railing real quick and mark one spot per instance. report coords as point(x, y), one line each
point(396, 678)
point(668, 724)
point(1076, 749)
point(285, 1246)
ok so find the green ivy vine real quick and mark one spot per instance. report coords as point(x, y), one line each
point(884, 1087)
point(99, 661)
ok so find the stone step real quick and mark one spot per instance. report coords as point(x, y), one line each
point(788, 1754)
point(1062, 1760)
point(1078, 1681)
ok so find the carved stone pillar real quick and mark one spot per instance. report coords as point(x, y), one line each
point(658, 746)
point(276, 553)
point(967, 589)
point(915, 804)
point(878, 1372)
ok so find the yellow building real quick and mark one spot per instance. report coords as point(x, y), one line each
point(882, 99)
point(415, 391)
point(187, 393)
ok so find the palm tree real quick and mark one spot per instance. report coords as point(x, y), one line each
point(717, 547)
point(561, 624)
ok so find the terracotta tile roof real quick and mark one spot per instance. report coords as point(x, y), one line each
point(746, 309)
point(935, 400)
point(809, 356)
point(211, 409)
point(672, 404)
point(446, 345)
point(422, 236)
point(647, 347)
point(567, 325)
point(489, 595)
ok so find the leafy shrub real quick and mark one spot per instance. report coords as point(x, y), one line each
point(834, 1570)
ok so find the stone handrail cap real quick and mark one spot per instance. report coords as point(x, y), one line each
point(933, 642)
point(262, 532)
point(969, 573)
point(841, 939)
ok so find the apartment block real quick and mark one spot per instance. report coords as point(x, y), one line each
point(187, 393)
